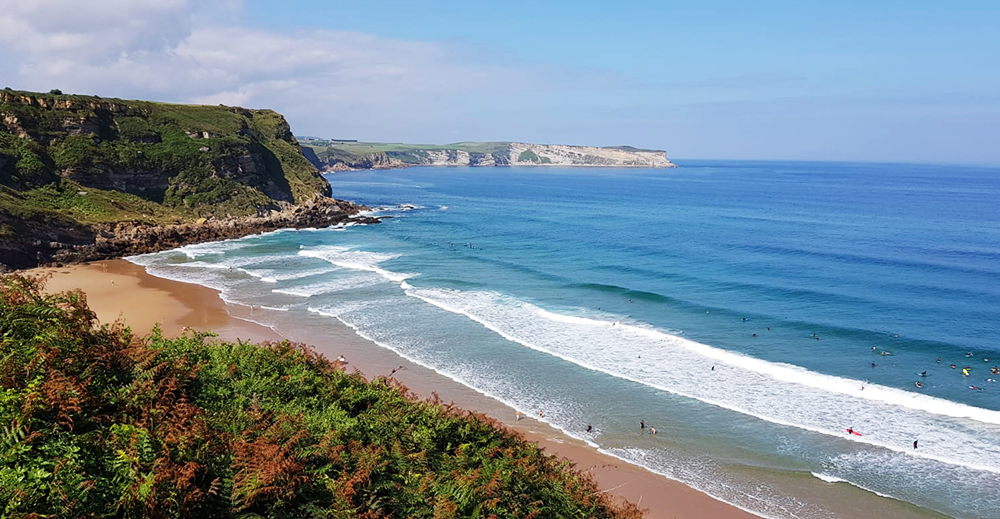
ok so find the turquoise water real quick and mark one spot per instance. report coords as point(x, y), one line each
point(738, 307)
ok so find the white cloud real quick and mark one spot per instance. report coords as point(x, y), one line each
point(155, 50)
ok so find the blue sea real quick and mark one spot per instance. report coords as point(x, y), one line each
point(751, 311)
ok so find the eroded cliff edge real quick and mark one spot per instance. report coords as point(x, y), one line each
point(347, 155)
point(85, 177)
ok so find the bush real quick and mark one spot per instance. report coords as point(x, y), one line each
point(95, 422)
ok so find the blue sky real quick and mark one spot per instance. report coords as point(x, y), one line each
point(913, 81)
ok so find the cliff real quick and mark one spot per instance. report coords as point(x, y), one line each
point(70, 165)
point(341, 155)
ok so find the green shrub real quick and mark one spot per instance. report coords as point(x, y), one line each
point(95, 422)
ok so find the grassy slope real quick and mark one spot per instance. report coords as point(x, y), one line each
point(96, 423)
point(77, 142)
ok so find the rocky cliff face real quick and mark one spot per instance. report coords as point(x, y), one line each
point(83, 177)
point(164, 153)
point(523, 154)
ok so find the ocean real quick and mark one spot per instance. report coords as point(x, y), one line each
point(752, 312)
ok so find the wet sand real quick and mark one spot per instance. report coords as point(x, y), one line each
point(119, 289)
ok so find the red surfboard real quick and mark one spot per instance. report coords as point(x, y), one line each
point(854, 432)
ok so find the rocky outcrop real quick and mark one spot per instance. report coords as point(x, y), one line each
point(70, 243)
point(330, 160)
point(524, 154)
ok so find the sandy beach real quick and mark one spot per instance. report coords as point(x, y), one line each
point(118, 289)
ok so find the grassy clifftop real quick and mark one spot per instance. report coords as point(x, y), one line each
point(189, 160)
point(69, 162)
point(97, 423)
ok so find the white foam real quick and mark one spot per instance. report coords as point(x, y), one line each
point(950, 432)
point(828, 478)
point(834, 479)
point(355, 260)
point(329, 287)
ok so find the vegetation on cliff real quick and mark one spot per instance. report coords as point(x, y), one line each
point(68, 162)
point(333, 155)
point(95, 422)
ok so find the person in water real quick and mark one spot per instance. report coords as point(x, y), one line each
point(589, 428)
point(713, 368)
point(914, 444)
point(850, 430)
point(642, 424)
point(652, 431)
point(919, 385)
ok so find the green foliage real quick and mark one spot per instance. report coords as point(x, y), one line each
point(528, 156)
point(95, 422)
point(189, 157)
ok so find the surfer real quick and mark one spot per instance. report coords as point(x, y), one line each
point(995, 370)
point(977, 388)
point(589, 428)
point(768, 328)
point(850, 430)
point(965, 372)
point(754, 335)
point(967, 355)
point(939, 360)
point(744, 319)
point(873, 348)
point(713, 368)
point(914, 444)
point(873, 364)
point(923, 373)
point(952, 366)
point(919, 385)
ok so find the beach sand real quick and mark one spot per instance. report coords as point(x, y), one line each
point(119, 289)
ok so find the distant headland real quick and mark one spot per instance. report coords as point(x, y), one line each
point(345, 155)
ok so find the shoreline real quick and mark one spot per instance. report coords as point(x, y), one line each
point(120, 289)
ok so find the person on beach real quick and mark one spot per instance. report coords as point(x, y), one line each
point(517, 416)
point(642, 424)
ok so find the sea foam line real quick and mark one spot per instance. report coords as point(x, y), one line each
point(781, 394)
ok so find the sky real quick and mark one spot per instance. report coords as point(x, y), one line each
point(886, 80)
